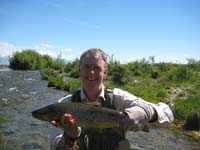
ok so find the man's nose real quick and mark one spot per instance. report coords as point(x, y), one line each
point(92, 71)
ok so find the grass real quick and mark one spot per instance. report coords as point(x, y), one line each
point(151, 92)
point(4, 65)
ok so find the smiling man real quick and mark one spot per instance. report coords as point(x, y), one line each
point(137, 112)
point(92, 71)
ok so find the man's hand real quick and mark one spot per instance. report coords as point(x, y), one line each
point(135, 118)
point(68, 123)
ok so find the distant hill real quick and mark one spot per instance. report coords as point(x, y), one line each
point(4, 60)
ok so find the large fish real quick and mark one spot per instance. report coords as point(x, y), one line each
point(87, 115)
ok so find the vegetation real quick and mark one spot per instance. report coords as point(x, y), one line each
point(3, 65)
point(176, 84)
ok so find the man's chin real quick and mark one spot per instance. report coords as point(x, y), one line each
point(93, 84)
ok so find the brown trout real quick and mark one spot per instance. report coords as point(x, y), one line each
point(87, 115)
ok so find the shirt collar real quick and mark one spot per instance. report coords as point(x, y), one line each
point(99, 98)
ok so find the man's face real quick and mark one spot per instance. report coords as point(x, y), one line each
point(92, 72)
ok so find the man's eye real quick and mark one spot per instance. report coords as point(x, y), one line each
point(87, 67)
point(97, 69)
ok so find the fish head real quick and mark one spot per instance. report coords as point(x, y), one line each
point(47, 113)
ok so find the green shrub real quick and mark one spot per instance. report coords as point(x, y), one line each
point(184, 108)
point(71, 68)
point(56, 82)
point(194, 64)
point(154, 74)
point(47, 73)
point(48, 61)
point(181, 73)
point(26, 60)
point(139, 67)
point(72, 85)
point(118, 73)
point(161, 94)
point(181, 94)
point(31, 60)
point(164, 67)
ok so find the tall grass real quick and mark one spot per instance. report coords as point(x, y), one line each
point(184, 108)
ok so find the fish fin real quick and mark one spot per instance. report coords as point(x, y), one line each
point(120, 131)
point(93, 103)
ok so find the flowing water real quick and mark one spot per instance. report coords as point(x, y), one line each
point(21, 92)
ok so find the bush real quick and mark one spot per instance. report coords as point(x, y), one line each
point(154, 74)
point(71, 68)
point(184, 108)
point(140, 68)
point(72, 85)
point(30, 60)
point(161, 94)
point(46, 74)
point(26, 60)
point(181, 73)
point(118, 73)
point(56, 82)
point(164, 67)
point(194, 64)
point(48, 61)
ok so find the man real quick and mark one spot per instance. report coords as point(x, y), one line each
point(137, 112)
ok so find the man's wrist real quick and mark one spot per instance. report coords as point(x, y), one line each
point(73, 133)
point(70, 141)
point(154, 117)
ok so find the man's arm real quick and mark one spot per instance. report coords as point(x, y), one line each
point(68, 139)
point(140, 112)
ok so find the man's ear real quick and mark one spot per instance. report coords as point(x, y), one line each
point(105, 72)
point(78, 71)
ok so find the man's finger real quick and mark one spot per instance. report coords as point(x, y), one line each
point(54, 123)
point(68, 120)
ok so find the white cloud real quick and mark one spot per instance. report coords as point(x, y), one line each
point(47, 49)
point(48, 52)
point(7, 49)
point(43, 46)
point(172, 59)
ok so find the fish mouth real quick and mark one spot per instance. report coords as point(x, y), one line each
point(39, 114)
point(36, 114)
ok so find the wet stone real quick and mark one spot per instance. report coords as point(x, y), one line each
point(32, 146)
point(193, 122)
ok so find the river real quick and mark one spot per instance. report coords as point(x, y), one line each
point(21, 92)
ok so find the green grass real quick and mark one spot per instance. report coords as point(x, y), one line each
point(4, 65)
point(191, 104)
point(152, 93)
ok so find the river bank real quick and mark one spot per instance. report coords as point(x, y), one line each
point(21, 92)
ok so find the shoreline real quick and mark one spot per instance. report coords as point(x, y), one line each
point(178, 128)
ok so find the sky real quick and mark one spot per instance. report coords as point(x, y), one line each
point(128, 30)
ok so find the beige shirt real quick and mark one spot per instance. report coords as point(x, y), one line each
point(125, 102)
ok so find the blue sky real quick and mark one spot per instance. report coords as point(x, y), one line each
point(128, 29)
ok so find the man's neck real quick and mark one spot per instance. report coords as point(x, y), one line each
point(92, 94)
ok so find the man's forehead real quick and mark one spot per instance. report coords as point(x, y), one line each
point(92, 59)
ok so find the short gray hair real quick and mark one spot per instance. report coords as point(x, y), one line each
point(97, 53)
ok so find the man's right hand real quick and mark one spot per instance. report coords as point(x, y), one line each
point(68, 123)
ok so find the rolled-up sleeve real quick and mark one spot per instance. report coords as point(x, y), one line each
point(124, 101)
point(164, 113)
